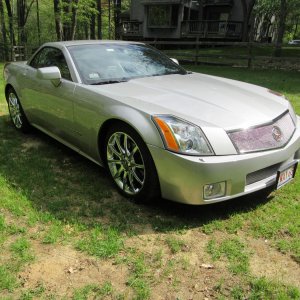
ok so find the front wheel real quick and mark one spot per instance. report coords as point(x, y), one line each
point(16, 112)
point(130, 164)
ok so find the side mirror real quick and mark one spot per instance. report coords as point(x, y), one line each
point(175, 61)
point(50, 73)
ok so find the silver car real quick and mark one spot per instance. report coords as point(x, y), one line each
point(158, 129)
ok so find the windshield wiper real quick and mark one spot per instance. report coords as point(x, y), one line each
point(108, 82)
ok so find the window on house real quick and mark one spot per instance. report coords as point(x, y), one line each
point(162, 16)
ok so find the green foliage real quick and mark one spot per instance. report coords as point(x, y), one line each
point(175, 244)
point(138, 280)
point(22, 250)
point(235, 252)
point(93, 291)
point(263, 289)
point(102, 243)
point(7, 279)
point(33, 293)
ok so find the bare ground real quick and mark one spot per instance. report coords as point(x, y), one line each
point(190, 275)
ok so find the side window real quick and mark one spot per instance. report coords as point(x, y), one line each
point(50, 57)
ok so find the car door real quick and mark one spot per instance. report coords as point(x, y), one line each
point(50, 107)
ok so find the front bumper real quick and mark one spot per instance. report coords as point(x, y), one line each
point(182, 178)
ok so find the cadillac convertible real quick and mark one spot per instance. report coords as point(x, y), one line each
point(160, 130)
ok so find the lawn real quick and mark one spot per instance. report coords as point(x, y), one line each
point(66, 234)
point(262, 56)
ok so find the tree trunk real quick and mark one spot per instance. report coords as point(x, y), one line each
point(296, 28)
point(38, 21)
point(99, 20)
point(66, 8)
point(247, 11)
point(11, 23)
point(92, 27)
point(58, 23)
point(109, 20)
point(74, 19)
point(23, 11)
point(281, 28)
point(3, 31)
point(117, 12)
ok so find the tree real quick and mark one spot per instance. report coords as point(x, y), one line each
point(11, 22)
point(3, 30)
point(247, 11)
point(117, 12)
point(23, 9)
point(99, 19)
point(281, 27)
point(58, 22)
point(65, 18)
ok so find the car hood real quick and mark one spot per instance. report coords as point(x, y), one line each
point(202, 99)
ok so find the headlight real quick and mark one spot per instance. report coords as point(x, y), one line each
point(182, 137)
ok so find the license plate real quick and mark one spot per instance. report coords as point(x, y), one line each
point(286, 176)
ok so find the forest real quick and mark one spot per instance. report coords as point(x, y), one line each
point(30, 23)
point(33, 22)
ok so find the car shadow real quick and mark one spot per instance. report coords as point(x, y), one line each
point(57, 180)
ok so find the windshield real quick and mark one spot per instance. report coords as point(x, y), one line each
point(110, 63)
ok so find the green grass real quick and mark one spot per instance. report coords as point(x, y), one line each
point(138, 280)
point(7, 279)
point(262, 56)
point(262, 289)
point(235, 252)
point(257, 50)
point(102, 243)
point(22, 251)
point(52, 196)
point(93, 291)
point(175, 244)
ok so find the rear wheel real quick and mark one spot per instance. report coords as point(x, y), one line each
point(130, 164)
point(16, 112)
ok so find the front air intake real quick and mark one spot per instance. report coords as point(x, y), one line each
point(264, 137)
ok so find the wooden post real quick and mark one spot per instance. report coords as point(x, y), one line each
point(197, 50)
point(249, 55)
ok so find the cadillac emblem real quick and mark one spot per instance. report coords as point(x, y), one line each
point(277, 134)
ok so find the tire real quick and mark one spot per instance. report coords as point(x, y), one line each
point(16, 112)
point(130, 164)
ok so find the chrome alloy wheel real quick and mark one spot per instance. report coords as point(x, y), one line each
point(15, 110)
point(125, 162)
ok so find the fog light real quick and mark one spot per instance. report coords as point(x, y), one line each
point(214, 190)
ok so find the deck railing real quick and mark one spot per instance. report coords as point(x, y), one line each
point(132, 28)
point(206, 29)
point(217, 2)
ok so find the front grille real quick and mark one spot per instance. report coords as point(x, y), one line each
point(261, 174)
point(264, 137)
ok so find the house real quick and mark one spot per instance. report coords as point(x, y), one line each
point(180, 19)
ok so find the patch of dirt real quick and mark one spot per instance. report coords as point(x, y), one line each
point(62, 269)
point(187, 274)
point(31, 143)
point(267, 261)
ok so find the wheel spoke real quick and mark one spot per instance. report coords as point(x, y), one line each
point(118, 173)
point(114, 151)
point(127, 153)
point(138, 166)
point(124, 180)
point(114, 161)
point(117, 139)
point(136, 177)
point(135, 149)
point(130, 177)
